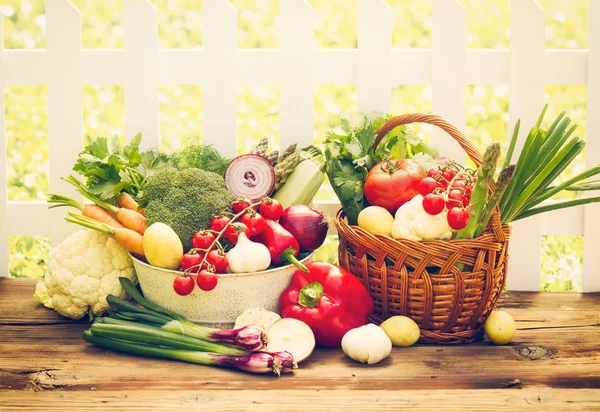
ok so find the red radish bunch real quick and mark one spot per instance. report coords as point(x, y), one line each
point(448, 187)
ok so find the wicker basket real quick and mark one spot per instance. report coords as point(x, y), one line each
point(422, 279)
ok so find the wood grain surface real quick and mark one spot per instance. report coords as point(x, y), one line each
point(553, 364)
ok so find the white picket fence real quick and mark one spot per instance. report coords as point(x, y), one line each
point(374, 67)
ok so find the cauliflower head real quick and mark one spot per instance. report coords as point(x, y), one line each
point(412, 222)
point(82, 271)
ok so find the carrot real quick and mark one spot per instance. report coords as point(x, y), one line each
point(130, 219)
point(92, 211)
point(125, 200)
point(129, 239)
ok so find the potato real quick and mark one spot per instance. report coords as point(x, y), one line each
point(401, 330)
point(162, 246)
point(376, 220)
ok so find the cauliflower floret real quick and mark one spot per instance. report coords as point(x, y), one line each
point(412, 222)
point(82, 271)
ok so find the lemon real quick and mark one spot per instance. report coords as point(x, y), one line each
point(500, 328)
point(401, 330)
point(376, 220)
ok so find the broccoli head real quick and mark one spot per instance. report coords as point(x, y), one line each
point(186, 200)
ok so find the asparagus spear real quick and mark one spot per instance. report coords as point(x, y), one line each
point(284, 169)
point(261, 148)
point(485, 174)
point(273, 156)
point(503, 180)
point(290, 149)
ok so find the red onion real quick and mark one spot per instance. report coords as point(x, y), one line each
point(308, 226)
point(250, 176)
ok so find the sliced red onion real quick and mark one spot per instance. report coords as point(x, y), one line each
point(250, 176)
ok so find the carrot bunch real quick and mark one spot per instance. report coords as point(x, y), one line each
point(125, 223)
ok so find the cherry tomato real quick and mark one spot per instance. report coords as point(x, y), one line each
point(233, 232)
point(433, 204)
point(271, 209)
point(393, 182)
point(219, 222)
point(448, 175)
point(191, 259)
point(428, 185)
point(218, 259)
point(458, 184)
point(435, 173)
point(458, 218)
point(456, 198)
point(240, 204)
point(207, 280)
point(203, 239)
point(254, 221)
point(183, 285)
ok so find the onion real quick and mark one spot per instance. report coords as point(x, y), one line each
point(250, 176)
point(306, 224)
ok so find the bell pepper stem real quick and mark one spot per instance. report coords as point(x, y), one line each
point(288, 256)
point(310, 295)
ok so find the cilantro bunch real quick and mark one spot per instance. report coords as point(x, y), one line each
point(350, 155)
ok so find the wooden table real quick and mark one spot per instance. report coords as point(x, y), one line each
point(553, 364)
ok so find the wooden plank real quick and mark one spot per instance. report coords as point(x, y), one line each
point(591, 235)
point(3, 181)
point(219, 43)
point(448, 67)
point(65, 128)
point(375, 23)
point(527, 28)
point(542, 399)
point(141, 78)
point(296, 73)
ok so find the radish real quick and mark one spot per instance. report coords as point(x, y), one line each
point(250, 176)
point(293, 336)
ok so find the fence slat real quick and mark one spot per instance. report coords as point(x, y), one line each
point(591, 257)
point(65, 129)
point(141, 78)
point(527, 31)
point(448, 67)
point(296, 79)
point(219, 44)
point(3, 181)
point(375, 23)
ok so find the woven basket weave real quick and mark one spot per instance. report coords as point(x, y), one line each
point(448, 287)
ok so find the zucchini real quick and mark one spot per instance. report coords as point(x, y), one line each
point(305, 181)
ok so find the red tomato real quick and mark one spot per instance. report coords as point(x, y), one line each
point(207, 280)
point(271, 208)
point(448, 175)
point(191, 259)
point(219, 222)
point(233, 232)
point(392, 183)
point(433, 204)
point(254, 221)
point(203, 239)
point(183, 285)
point(218, 259)
point(428, 185)
point(456, 198)
point(240, 204)
point(458, 218)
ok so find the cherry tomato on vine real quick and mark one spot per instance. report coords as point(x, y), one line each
point(183, 285)
point(458, 218)
point(219, 222)
point(207, 280)
point(189, 260)
point(433, 204)
point(435, 173)
point(218, 259)
point(448, 175)
point(233, 232)
point(428, 185)
point(203, 239)
point(254, 221)
point(240, 204)
point(456, 199)
point(270, 208)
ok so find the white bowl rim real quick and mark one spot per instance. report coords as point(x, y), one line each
point(220, 275)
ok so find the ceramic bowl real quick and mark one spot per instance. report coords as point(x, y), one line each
point(219, 307)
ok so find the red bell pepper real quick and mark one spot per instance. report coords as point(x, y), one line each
point(329, 299)
point(282, 245)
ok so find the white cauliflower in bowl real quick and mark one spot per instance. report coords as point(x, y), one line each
point(82, 271)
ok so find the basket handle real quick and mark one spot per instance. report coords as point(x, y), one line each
point(432, 119)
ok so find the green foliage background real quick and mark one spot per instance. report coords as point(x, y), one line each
point(488, 24)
